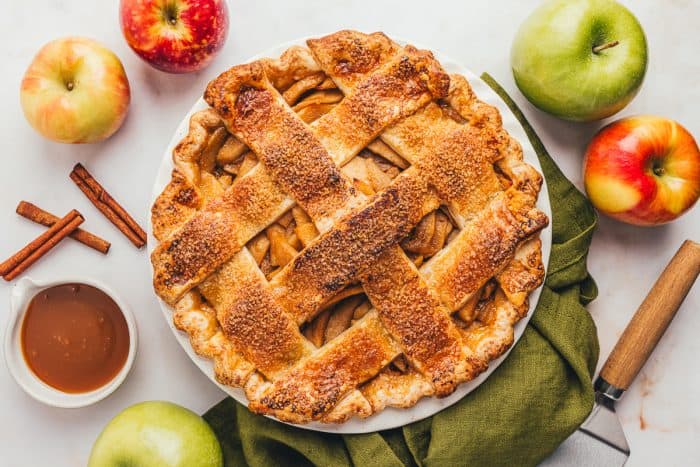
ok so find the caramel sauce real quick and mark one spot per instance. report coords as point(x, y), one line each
point(74, 337)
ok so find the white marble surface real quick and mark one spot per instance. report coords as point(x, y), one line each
point(660, 413)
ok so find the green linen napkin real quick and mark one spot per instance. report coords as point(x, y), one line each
point(538, 396)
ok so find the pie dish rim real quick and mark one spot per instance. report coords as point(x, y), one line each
point(389, 417)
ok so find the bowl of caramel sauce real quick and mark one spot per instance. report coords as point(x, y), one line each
point(69, 343)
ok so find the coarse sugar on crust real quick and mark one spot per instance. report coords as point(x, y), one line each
point(347, 228)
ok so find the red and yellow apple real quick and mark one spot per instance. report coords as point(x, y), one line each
point(643, 170)
point(177, 36)
point(75, 91)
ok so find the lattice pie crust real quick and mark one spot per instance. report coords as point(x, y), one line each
point(347, 228)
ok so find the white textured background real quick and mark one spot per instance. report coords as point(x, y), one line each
point(624, 260)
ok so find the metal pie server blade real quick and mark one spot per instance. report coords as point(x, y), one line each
point(600, 441)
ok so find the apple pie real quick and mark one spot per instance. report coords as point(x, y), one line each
point(347, 228)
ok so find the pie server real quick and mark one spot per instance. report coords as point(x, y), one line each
point(600, 441)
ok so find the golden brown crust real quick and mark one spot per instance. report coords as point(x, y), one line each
point(481, 249)
point(485, 117)
point(364, 213)
point(457, 159)
point(295, 64)
point(251, 318)
point(415, 317)
point(352, 55)
point(215, 234)
point(178, 202)
point(246, 101)
point(394, 389)
point(339, 256)
point(257, 114)
point(190, 187)
point(199, 321)
point(524, 274)
point(318, 383)
point(407, 82)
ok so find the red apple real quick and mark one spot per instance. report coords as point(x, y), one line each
point(75, 91)
point(177, 36)
point(643, 170)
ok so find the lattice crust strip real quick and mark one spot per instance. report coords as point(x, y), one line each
point(347, 228)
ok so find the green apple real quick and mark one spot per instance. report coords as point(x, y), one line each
point(580, 60)
point(157, 434)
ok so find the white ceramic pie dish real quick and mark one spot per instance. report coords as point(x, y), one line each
point(389, 417)
point(22, 293)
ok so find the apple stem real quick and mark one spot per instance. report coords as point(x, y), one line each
point(170, 13)
point(69, 85)
point(600, 48)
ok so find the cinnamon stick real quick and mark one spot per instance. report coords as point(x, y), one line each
point(108, 206)
point(30, 254)
point(35, 214)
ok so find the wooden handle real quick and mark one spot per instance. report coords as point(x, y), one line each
point(653, 317)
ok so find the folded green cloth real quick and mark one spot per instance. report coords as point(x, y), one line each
point(530, 404)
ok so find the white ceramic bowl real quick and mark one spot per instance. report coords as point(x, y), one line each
point(21, 295)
